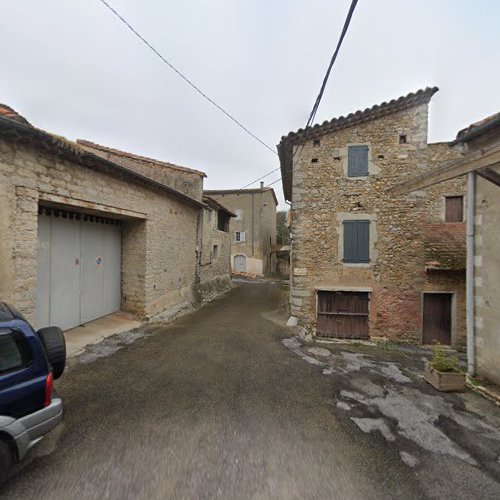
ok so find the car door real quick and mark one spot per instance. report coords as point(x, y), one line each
point(22, 383)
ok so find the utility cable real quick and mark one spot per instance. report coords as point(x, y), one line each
point(184, 77)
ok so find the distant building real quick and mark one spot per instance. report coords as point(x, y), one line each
point(253, 230)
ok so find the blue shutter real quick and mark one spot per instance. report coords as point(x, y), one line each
point(357, 161)
point(357, 241)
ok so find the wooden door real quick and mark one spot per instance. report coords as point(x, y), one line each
point(437, 318)
point(343, 314)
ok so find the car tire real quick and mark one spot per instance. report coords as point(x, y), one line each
point(5, 461)
point(54, 344)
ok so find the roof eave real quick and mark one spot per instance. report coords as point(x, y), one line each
point(85, 158)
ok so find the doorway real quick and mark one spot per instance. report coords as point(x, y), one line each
point(437, 318)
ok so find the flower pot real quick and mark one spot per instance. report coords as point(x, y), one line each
point(444, 381)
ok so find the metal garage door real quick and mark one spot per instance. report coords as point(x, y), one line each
point(79, 261)
point(343, 314)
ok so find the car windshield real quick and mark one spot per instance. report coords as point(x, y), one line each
point(5, 313)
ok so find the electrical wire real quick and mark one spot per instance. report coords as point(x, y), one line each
point(312, 115)
point(184, 77)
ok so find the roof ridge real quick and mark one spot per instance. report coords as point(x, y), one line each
point(119, 152)
point(411, 99)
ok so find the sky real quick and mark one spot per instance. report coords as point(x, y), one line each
point(70, 67)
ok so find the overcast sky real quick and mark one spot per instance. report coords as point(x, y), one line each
point(71, 68)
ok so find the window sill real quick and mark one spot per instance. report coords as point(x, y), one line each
point(356, 264)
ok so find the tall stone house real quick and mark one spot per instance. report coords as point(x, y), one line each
point(478, 151)
point(253, 229)
point(365, 263)
point(92, 231)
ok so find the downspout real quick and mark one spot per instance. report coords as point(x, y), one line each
point(469, 280)
point(253, 224)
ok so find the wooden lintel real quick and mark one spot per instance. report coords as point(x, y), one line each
point(456, 168)
point(490, 175)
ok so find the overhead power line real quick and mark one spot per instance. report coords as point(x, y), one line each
point(184, 77)
point(314, 110)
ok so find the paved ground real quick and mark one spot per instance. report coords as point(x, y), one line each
point(222, 404)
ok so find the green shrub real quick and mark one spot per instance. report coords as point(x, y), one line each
point(443, 362)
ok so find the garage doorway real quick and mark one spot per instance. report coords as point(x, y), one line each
point(343, 314)
point(240, 264)
point(437, 318)
point(79, 268)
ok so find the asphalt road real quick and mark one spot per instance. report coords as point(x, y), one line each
point(214, 406)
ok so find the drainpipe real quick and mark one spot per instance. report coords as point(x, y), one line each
point(469, 280)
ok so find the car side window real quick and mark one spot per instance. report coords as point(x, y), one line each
point(14, 351)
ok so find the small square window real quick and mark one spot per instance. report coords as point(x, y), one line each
point(403, 139)
point(314, 160)
point(316, 142)
point(454, 209)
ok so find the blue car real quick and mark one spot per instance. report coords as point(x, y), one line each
point(29, 363)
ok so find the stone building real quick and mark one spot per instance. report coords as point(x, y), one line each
point(477, 157)
point(88, 236)
point(364, 262)
point(253, 229)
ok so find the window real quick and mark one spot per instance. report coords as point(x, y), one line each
point(238, 214)
point(357, 241)
point(215, 252)
point(240, 236)
point(357, 161)
point(14, 353)
point(454, 209)
point(316, 142)
point(403, 139)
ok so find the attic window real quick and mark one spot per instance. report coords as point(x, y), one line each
point(314, 160)
point(316, 142)
point(403, 139)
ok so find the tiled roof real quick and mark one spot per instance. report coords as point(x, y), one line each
point(285, 147)
point(478, 128)
point(445, 247)
point(20, 130)
point(241, 191)
point(217, 206)
point(12, 114)
point(132, 156)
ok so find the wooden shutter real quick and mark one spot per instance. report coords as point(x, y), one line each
point(242, 236)
point(454, 209)
point(357, 241)
point(357, 161)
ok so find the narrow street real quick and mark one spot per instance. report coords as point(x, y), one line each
point(215, 405)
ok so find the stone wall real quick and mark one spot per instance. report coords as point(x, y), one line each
point(323, 196)
point(159, 232)
point(215, 263)
point(187, 181)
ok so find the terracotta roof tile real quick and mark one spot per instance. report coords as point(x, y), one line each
point(285, 147)
point(445, 247)
point(93, 145)
point(12, 114)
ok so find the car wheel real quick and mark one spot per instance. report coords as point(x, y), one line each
point(54, 344)
point(5, 460)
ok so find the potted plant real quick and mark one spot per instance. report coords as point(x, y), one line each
point(443, 372)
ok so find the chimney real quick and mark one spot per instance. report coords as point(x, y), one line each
point(261, 184)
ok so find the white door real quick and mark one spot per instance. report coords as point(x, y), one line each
point(240, 263)
point(79, 264)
